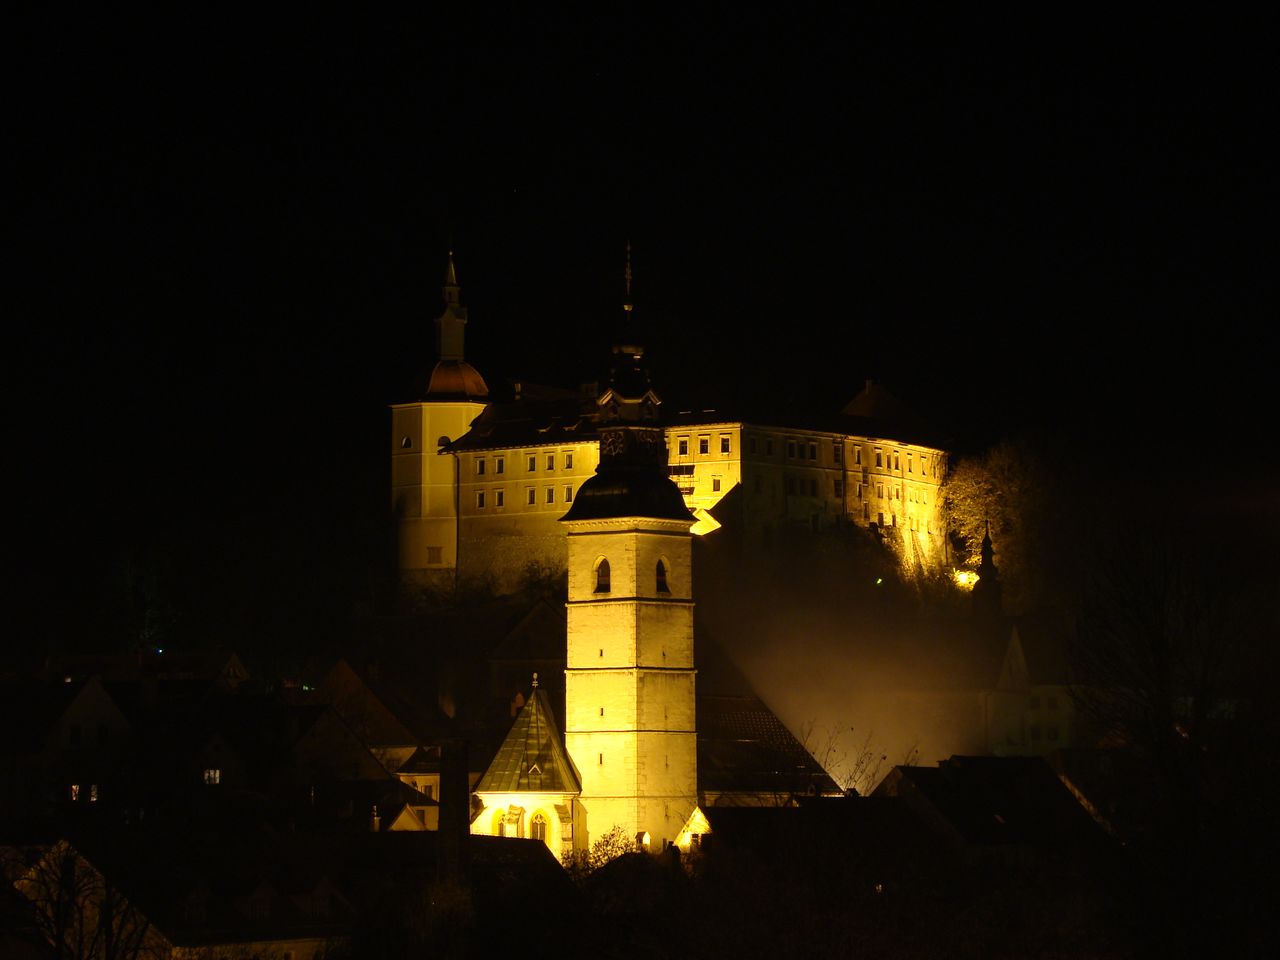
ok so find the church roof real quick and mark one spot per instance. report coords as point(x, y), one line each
point(629, 493)
point(532, 757)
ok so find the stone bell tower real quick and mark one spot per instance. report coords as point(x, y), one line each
point(629, 682)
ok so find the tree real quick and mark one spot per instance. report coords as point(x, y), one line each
point(81, 913)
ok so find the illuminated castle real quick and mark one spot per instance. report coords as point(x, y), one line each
point(480, 481)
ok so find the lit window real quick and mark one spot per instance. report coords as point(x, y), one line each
point(530, 496)
point(480, 500)
point(538, 827)
point(480, 466)
point(551, 461)
point(568, 461)
point(724, 443)
point(75, 791)
point(602, 576)
point(498, 498)
point(93, 793)
point(715, 484)
point(533, 463)
point(499, 465)
point(704, 444)
point(683, 446)
point(662, 583)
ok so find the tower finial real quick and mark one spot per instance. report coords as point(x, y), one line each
point(535, 680)
point(626, 301)
point(451, 288)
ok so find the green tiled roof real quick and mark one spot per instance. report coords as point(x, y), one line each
point(532, 757)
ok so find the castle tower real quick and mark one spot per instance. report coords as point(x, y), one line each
point(424, 486)
point(629, 683)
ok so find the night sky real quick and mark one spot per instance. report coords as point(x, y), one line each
point(228, 234)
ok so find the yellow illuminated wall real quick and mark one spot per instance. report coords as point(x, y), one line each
point(629, 682)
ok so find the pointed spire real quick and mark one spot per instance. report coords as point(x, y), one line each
point(451, 289)
point(626, 299)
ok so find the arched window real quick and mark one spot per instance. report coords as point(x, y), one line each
point(662, 578)
point(538, 827)
point(602, 575)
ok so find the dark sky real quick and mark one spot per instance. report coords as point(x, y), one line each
point(230, 233)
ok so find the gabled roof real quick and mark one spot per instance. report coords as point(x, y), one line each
point(532, 757)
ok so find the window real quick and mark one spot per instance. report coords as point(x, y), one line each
point(857, 455)
point(682, 445)
point(751, 445)
point(910, 466)
point(768, 447)
point(435, 554)
point(788, 484)
point(724, 443)
point(897, 493)
point(791, 449)
point(866, 512)
point(538, 827)
point(893, 519)
point(406, 443)
point(878, 457)
point(859, 491)
point(813, 451)
point(93, 793)
point(838, 488)
point(533, 463)
point(715, 484)
point(480, 467)
point(837, 452)
point(75, 791)
point(924, 465)
point(500, 465)
point(568, 494)
point(530, 497)
point(880, 519)
point(704, 444)
point(879, 491)
point(897, 461)
point(602, 576)
point(662, 581)
point(568, 461)
point(498, 498)
point(212, 776)
point(551, 461)
point(480, 500)
point(551, 494)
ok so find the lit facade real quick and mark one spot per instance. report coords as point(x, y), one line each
point(478, 486)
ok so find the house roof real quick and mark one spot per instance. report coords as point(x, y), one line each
point(996, 801)
point(533, 756)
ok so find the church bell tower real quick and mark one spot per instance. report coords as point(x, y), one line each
point(629, 683)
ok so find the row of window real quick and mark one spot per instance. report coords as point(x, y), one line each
point(704, 445)
point(499, 497)
point(604, 583)
point(798, 449)
point(531, 463)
